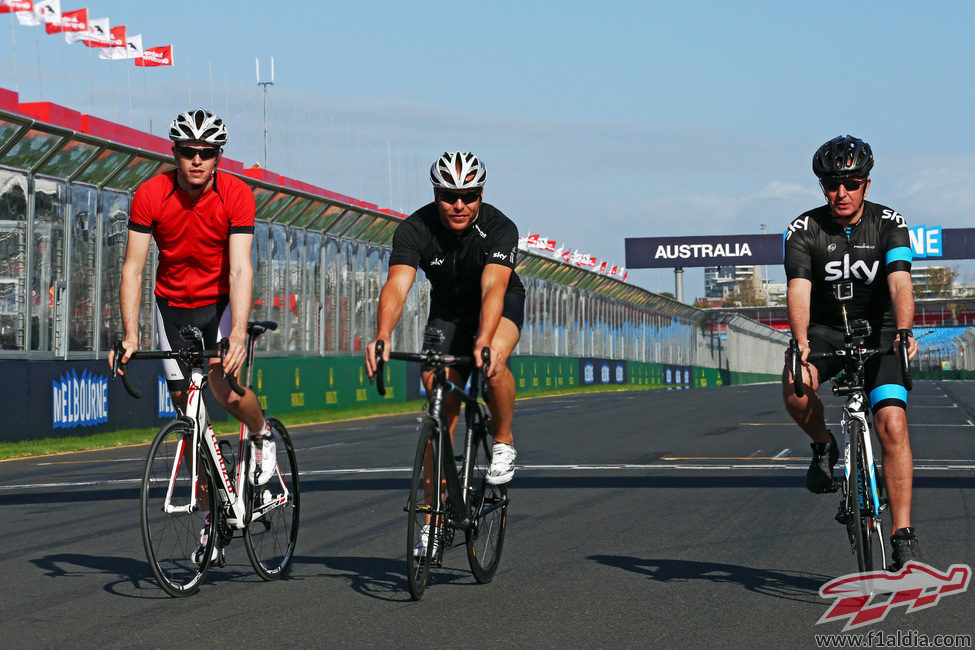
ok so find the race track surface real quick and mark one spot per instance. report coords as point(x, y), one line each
point(637, 519)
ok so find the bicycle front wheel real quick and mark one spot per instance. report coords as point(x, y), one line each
point(273, 531)
point(173, 526)
point(423, 523)
point(861, 501)
point(488, 512)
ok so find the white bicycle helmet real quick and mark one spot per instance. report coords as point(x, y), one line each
point(450, 172)
point(198, 125)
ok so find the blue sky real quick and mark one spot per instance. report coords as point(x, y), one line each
point(596, 123)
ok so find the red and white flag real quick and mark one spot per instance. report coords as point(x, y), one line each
point(567, 255)
point(17, 6)
point(71, 21)
point(547, 245)
point(115, 49)
point(602, 267)
point(36, 13)
point(613, 271)
point(155, 56)
point(99, 33)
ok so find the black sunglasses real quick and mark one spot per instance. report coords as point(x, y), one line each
point(451, 197)
point(850, 184)
point(206, 153)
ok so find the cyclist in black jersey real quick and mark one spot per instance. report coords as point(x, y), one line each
point(467, 249)
point(855, 254)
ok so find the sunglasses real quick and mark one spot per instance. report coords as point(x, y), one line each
point(189, 153)
point(849, 184)
point(451, 197)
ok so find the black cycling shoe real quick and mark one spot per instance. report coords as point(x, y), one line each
point(906, 548)
point(819, 476)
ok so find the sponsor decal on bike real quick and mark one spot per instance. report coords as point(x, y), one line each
point(867, 598)
point(79, 401)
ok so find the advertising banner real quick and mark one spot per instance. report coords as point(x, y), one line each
point(930, 243)
point(601, 371)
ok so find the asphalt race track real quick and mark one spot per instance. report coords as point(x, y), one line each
point(637, 519)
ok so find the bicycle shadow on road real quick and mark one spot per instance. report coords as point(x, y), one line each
point(134, 578)
point(382, 578)
point(789, 585)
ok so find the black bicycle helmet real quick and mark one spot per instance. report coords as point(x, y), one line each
point(843, 156)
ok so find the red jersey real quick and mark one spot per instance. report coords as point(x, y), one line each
point(193, 238)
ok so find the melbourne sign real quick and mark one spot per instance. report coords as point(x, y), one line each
point(927, 242)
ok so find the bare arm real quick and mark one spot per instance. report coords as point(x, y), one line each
point(391, 301)
point(798, 299)
point(494, 284)
point(130, 290)
point(902, 299)
point(241, 290)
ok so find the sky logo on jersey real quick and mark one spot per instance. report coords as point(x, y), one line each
point(859, 270)
point(926, 241)
point(163, 399)
point(866, 598)
point(79, 401)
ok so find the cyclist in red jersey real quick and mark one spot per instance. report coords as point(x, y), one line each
point(202, 221)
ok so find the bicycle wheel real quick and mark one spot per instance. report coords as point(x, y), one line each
point(861, 500)
point(421, 512)
point(273, 531)
point(488, 512)
point(171, 530)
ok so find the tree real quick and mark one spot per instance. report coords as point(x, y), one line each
point(746, 294)
point(941, 281)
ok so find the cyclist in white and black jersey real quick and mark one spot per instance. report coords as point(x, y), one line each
point(855, 254)
point(467, 249)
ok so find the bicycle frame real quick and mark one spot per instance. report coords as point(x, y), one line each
point(869, 503)
point(458, 485)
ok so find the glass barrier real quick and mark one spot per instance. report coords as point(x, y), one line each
point(30, 149)
point(13, 260)
point(67, 161)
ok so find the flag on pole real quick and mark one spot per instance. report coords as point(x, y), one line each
point(17, 6)
point(71, 21)
point(99, 33)
point(567, 255)
point(155, 56)
point(116, 47)
point(133, 47)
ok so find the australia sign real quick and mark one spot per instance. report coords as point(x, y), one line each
point(930, 243)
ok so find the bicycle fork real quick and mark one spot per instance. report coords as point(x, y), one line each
point(866, 502)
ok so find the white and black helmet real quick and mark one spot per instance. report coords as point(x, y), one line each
point(198, 125)
point(450, 172)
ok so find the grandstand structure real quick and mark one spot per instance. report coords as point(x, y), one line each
point(320, 259)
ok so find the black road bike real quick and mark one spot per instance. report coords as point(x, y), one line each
point(465, 501)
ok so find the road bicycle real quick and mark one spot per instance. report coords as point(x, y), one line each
point(466, 501)
point(862, 504)
point(194, 490)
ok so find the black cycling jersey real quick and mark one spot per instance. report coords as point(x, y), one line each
point(858, 263)
point(454, 262)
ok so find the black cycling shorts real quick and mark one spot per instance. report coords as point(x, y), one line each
point(456, 335)
point(213, 321)
point(882, 374)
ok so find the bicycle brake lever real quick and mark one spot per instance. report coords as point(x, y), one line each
point(795, 367)
point(234, 385)
point(378, 377)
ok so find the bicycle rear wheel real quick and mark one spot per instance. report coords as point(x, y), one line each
point(273, 531)
point(171, 531)
point(421, 512)
point(488, 512)
point(861, 501)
